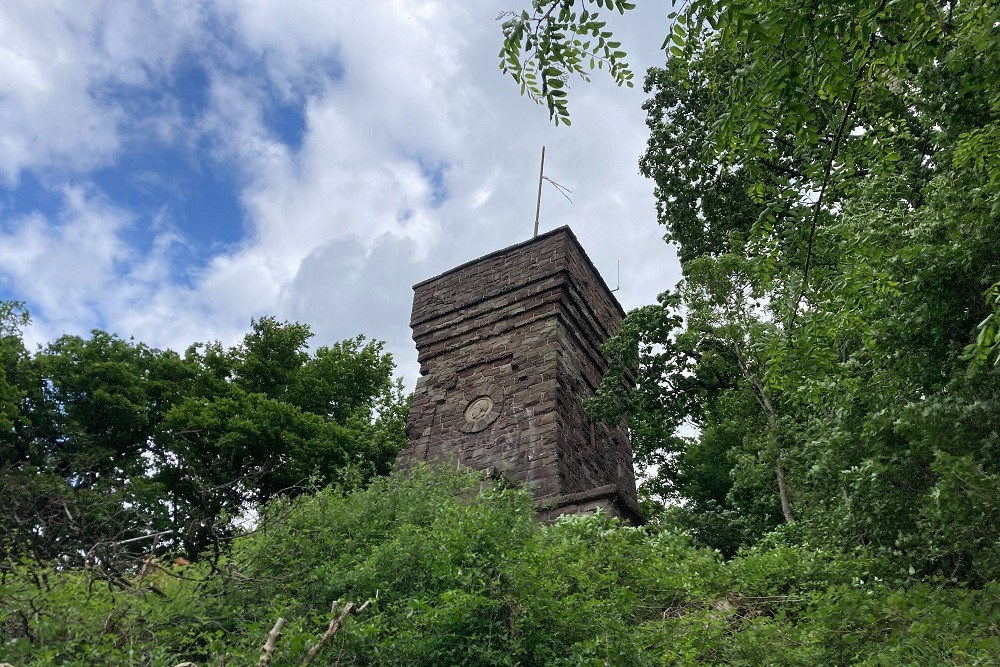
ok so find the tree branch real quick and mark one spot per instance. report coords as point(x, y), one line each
point(834, 149)
point(817, 208)
point(780, 168)
point(760, 394)
point(267, 650)
point(335, 623)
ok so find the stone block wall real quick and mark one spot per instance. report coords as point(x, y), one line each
point(509, 346)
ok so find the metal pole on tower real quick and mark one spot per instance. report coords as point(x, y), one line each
point(538, 206)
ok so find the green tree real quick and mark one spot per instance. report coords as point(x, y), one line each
point(108, 442)
point(13, 357)
point(825, 171)
point(543, 49)
point(276, 419)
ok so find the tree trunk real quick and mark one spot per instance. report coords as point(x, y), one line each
point(786, 506)
point(760, 393)
point(779, 470)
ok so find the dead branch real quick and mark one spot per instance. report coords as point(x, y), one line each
point(116, 543)
point(267, 650)
point(335, 623)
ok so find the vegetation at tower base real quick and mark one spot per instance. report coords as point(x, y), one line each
point(460, 574)
point(109, 447)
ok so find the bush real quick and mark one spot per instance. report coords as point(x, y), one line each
point(459, 574)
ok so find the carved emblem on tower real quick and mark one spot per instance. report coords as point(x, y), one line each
point(480, 412)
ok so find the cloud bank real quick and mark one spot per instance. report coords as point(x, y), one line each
point(169, 170)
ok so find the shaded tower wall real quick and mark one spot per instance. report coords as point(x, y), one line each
point(509, 346)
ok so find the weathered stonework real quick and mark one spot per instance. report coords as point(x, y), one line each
point(509, 346)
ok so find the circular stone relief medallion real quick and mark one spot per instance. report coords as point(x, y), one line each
point(480, 413)
point(479, 408)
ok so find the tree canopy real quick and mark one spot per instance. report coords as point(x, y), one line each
point(109, 445)
point(828, 175)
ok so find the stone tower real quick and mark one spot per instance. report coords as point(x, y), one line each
point(509, 346)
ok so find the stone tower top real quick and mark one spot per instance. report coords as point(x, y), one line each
point(509, 346)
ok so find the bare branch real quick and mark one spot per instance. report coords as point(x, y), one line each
point(267, 650)
point(155, 536)
point(335, 623)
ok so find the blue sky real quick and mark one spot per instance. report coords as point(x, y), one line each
point(169, 170)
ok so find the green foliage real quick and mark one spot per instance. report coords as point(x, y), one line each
point(828, 175)
point(987, 341)
point(459, 574)
point(814, 405)
point(542, 50)
point(109, 445)
point(13, 317)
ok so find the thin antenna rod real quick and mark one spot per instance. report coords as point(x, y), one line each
point(541, 175)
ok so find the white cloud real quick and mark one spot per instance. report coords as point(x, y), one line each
point(59, 63)
point(403, 102)
point(63, 266)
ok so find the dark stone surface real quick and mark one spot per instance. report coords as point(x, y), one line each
point(509, 346)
